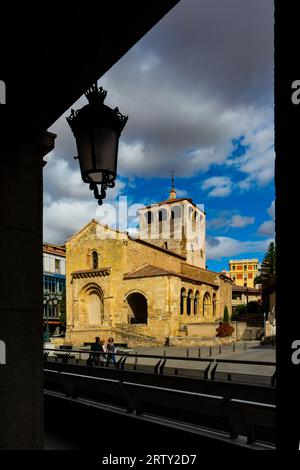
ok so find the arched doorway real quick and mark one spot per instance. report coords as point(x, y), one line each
point(138, 308)
point(91, 298)
point(206, 305)
point(94, 304)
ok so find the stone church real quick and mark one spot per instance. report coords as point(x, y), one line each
point(141, 289)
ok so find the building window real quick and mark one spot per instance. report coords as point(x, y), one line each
point(233, 268)
point(95, 259)
point(245, 276)
point(57, 265)
point(245, 284)
point(233, 278)
point(245, 267)
point(236, 296)
point(149, 218)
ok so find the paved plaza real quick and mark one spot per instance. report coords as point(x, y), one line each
point(249, 351)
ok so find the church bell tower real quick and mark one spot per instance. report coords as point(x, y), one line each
point(176, 225)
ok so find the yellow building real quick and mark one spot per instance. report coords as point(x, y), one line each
point(142, 289)
point(243, 271)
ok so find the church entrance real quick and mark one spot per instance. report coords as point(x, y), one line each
point(137, 307)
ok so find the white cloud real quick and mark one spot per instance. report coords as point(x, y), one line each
point(258, 161)
point(267, 228)
point(69, 204)
point(226, 221)
point(219, 247)
point(239, 221)
point(221, 186)
point(181, 193)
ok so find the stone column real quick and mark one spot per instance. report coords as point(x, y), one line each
point(192, 305)
point(184, 296)
point(21, 292)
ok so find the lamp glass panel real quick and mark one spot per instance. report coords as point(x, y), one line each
point(106, 149)
point(83, 140)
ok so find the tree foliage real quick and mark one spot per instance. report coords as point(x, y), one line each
point(267, 276)
point(226, 315)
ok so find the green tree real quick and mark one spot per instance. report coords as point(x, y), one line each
point(226, 315)
point(267, 276)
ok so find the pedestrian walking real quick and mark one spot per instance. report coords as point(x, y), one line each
point(96, 348)
point(111, 350)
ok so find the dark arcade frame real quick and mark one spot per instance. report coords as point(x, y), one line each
point(287, 147)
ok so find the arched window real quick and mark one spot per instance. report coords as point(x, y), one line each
point(214, 312)
point(176, 221)
point(196, 303)
point(95, 260)
point(182, 296)
point(189, 301)
point(206, 305)
point(162, 215)
point(163, 227)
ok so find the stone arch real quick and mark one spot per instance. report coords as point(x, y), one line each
point(148, 217)
point(163, 223)
point(189, 302)
point(92, 299)
point(182, 300)
point(137, 306)
point(206, 305)
point(176, 222)
point(197, 303)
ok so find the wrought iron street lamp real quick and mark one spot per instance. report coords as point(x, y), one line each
point(48, 301)
point(97, 129)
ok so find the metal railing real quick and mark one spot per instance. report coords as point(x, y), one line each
point(159, 367)
point(231, 415)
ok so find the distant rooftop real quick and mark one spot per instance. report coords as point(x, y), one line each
point(54, 249)
point(253, 260)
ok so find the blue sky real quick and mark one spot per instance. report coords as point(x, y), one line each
point(198, 90)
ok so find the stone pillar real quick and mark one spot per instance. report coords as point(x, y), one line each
point(184, 297)
point(21, 292)
point(192, 305)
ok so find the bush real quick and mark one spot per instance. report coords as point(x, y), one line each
point(226, 315)
point(224, 329)
point(240, 309)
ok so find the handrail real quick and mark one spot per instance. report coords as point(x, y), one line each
point(160, 356)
